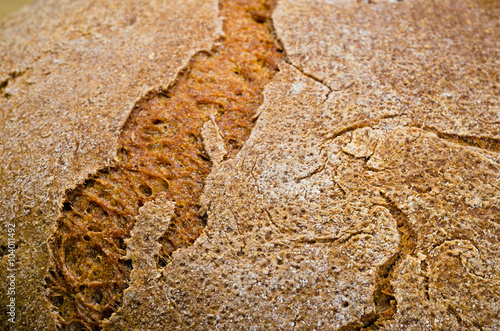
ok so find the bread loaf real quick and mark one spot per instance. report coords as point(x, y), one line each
point(251, 164)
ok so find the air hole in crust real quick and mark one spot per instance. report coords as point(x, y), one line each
point(145, 190)
point(67, 207)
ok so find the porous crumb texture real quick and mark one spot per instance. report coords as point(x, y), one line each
point(161, 153)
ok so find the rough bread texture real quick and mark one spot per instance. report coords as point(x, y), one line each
point(161, 153)
point(70, 75)
point(414, 108)
point(367, 195)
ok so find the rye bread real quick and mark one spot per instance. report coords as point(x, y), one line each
point(367, 194)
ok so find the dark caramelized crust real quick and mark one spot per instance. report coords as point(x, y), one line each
point(161, 152)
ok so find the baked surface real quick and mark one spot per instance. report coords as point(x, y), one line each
point(71, 74)
point(367, 194)
point(161, 154)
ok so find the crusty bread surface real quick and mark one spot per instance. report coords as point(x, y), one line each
point(254, 165)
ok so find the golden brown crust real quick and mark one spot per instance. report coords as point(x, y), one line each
point(365, 197)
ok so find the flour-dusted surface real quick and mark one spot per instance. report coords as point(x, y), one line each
point(415, 106)
point(71, 73)
point(435, 62)
point(306, 230)
point(367, 195)
point(284, 247)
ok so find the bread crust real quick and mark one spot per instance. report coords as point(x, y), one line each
point(414, 95)
point(71, 73)
point(367, 195)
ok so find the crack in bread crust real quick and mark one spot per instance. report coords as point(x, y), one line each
point(161, 153)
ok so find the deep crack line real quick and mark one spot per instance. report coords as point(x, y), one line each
point(383, 298)
point(385, 302)
point(161, 153)
point(485, 143)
